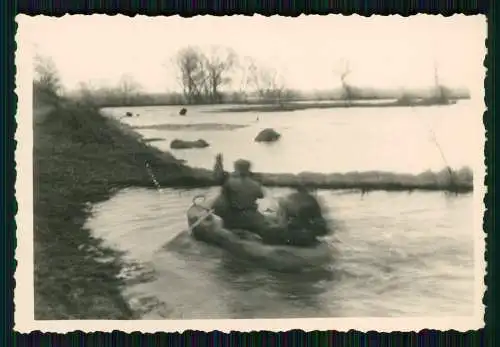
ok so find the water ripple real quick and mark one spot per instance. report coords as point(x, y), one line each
point(395, 254)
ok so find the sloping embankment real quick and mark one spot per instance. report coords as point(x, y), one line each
point(80, 158)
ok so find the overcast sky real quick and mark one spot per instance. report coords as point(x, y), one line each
point(390, 51)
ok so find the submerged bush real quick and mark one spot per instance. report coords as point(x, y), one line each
point(182, 144)
point(268, 135)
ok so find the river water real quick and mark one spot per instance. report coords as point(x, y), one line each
point(396, 254)
point(396, 139)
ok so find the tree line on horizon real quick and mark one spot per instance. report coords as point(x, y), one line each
point(218, 75)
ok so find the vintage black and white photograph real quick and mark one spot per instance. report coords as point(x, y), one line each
point(250, 173)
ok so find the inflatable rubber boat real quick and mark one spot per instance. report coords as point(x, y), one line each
point(206, 226)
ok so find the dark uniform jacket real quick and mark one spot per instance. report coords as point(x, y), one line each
point(242, 192)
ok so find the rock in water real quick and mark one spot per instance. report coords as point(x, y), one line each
point(183, 111)
point(181, 144)
point(268, 135)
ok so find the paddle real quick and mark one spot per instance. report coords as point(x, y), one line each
point(153, 178)
point(201, 219)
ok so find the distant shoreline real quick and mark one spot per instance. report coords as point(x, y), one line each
point(289, 107)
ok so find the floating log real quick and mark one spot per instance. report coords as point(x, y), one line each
point(460, 182)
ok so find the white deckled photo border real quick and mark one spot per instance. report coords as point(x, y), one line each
point(24, 278)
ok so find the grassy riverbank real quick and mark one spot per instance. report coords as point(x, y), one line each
point(80, 158)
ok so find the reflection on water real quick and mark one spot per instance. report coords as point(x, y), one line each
point(396, 254)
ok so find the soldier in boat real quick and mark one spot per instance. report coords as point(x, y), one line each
point(237, 201)
point(303, 215)
point(299, 221)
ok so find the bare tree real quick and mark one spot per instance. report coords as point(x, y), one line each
point(192, 74)
point(441, 93)
point(268, 83)
point(347, 89)
point(47, 76)
point(128, 89)
point(201, 75)
point(86, 93)
point(218, 64)
point(245, 78)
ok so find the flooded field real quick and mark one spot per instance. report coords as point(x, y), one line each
point(397, 139)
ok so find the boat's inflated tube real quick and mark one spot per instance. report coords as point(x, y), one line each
point(241, 243)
